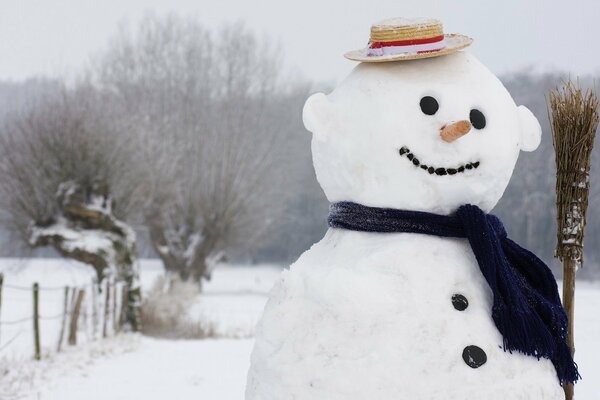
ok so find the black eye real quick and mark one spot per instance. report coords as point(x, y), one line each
point(429, 105)
point(477, 119)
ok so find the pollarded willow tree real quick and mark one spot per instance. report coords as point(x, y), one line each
point(212, 113)
point(66, 181)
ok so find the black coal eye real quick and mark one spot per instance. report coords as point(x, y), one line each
point(477, 119)
point(429, 105)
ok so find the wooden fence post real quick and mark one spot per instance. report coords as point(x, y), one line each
point(124, 305)
point(75, 318)
point(106, 307)
point(63, 322)
point(36, 320)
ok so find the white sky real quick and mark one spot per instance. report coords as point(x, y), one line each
point(57, 37)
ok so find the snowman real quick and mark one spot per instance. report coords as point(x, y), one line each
point(415, 292)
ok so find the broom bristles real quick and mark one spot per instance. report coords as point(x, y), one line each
point(574, 118)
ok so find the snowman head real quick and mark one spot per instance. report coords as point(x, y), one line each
point(424, 135)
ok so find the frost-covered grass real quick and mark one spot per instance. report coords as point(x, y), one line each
point(135, 366)
point(230, 304)
point(138, 367)
point(28, 379)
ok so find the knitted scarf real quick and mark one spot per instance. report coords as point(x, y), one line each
point(526, 310)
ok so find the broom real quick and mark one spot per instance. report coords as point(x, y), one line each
point(574, 117)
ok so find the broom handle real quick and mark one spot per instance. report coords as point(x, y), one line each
point(569, 268)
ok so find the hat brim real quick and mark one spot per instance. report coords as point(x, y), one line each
point(454, 43)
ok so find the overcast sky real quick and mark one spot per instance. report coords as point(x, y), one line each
point(57, 37)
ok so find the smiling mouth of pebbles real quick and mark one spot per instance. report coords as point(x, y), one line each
point(405, 152)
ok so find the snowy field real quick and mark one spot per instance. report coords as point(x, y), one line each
point(138, 367)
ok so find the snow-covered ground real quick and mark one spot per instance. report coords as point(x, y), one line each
point(138, 367)
point(133, 364)
point(135, 367)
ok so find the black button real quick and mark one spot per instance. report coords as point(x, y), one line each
point(474, 356)
point(460, 302)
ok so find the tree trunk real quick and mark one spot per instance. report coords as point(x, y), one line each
point(159, 242)
point(87, 231)
point(196, 267)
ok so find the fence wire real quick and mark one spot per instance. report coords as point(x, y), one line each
point(28, 288)
point(16, 321)
point(45, 288)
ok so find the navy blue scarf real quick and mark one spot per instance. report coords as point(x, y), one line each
point(527, 309)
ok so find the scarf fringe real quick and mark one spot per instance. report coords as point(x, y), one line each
point(524, 332)
point(528, 334)
point(565, 367)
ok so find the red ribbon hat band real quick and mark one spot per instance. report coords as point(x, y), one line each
point(418, 46)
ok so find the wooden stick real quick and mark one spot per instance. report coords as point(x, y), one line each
point(36, 321)
point(569, 269)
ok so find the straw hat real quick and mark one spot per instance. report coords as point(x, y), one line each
point(399, 39)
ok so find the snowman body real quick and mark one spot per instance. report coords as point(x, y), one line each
point(370, 316)
point(401, 316)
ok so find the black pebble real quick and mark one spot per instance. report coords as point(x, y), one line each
point(416, 161)
point(476, 164)
point(423, 166)
point(440, 171)
point(460, 302)
point(410, 156)
point(429, 105)
point(461, 168)
point(468, 166)
point(431, 170)
point(477, 119)
point(451, 171)
point(403, 151)
point(474, 356)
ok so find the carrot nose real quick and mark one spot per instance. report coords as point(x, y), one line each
point(455, 130)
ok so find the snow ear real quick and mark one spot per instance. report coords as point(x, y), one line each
point(319, 116)
point(531, 131)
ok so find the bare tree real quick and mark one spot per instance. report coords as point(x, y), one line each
point(66, 182)
point(211, 112)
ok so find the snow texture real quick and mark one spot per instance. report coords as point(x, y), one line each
point(366, 315)
point(134, 367)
